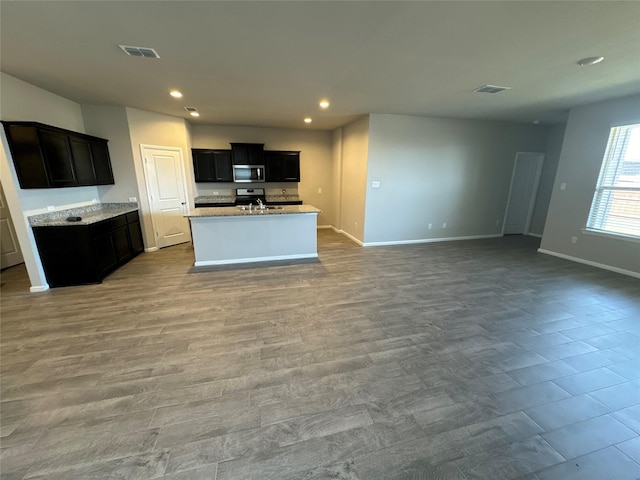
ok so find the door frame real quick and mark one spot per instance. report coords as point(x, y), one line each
point(534, 192)
point(143, 147)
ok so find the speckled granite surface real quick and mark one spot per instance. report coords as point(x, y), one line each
point(215, 199)
point(232, 198)
point(238, 212)
point(89, 214)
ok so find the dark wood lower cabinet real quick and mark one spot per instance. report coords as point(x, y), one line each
point(84, 254)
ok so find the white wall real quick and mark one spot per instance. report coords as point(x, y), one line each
point(316, 161)
point(547, 178)
point(585, 141)
point(353, 189)
point(148, 128)
point(21, 101)
point(111, 122)
point(434, 170)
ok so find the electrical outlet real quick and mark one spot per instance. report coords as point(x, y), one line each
point(444, 225)
point(216, 193)
point(429, 226)
point(319, 190)
point(574, 240)
point(94, 200)
point(133, 199)
point(50, 208)
point(375, 184)
point(563, 186)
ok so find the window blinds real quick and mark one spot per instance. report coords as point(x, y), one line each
point(616, 201)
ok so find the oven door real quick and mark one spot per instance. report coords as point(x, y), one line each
point(248, 173)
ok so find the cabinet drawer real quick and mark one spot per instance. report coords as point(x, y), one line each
point(119, 221)
point(133, 217)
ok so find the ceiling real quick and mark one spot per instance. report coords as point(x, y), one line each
point(269, 63)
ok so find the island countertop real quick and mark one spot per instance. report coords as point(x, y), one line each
point(254, 212)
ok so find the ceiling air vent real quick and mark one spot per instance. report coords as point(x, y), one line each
point(191, 109)
point(139, 51)
point(493, 89)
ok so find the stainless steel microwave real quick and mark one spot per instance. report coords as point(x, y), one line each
point(248, 173)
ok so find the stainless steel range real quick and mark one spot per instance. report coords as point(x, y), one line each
point(246, 196)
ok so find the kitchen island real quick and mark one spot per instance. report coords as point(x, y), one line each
point(226, 235)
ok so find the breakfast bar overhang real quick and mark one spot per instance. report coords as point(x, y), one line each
point(227, 235)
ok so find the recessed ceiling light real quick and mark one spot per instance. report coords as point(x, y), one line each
point(194, 114)
point(175, 94)
point(193, 111)
point(585, 62)
point(308, 120)
point(324, 104)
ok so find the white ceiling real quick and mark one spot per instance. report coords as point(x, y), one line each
point(268, 63)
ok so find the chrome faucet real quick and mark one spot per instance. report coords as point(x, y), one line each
point(260, 204)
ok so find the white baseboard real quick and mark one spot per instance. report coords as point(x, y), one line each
point(430, 240)
point(207, 263)
point(537, 235)
point(350, 237)
point(322, 227)
point(590, 263)
point(39, 288)
point(151, 249)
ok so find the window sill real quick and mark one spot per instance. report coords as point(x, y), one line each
point(617, 236)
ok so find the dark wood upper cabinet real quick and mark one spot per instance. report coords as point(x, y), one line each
point(247, 153)
point(51, 157)
point(282, 166)
point(82, 161)
point(58, 159)
point(212, 165)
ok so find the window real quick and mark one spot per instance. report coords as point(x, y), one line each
point(616, 201)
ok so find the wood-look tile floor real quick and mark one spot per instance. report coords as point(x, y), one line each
point(461, 360)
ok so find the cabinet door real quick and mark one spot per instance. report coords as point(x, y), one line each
point(105, 253)
point(66, 254)
point(101, 162)
point(82, 161)
point(291, 166)
point(27, 156)
point(203, 166)
point(274, 166)
point(256, 153)
point(240, 153)
point(247, 153)
point(135, 238)
point(57, 154)
point(223, 167)
point(121, 244)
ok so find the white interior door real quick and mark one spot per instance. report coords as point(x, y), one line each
point(524, 188)
point(10, 253)
point(164, 174)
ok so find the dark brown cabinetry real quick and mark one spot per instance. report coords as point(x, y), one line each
point(282, 166)
point(212, 165)
point(247, 153)
point(83, 254)
point(50, 157)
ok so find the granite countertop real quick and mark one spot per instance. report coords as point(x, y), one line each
point(254, 212)
point(232, 198)
point(89, 214)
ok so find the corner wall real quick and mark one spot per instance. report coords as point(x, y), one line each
point(21, 101)
point(148, 128)
point(436, 171)
point(353, 186)
point(583, 149)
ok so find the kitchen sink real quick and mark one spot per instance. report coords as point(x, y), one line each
point(255, 208)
